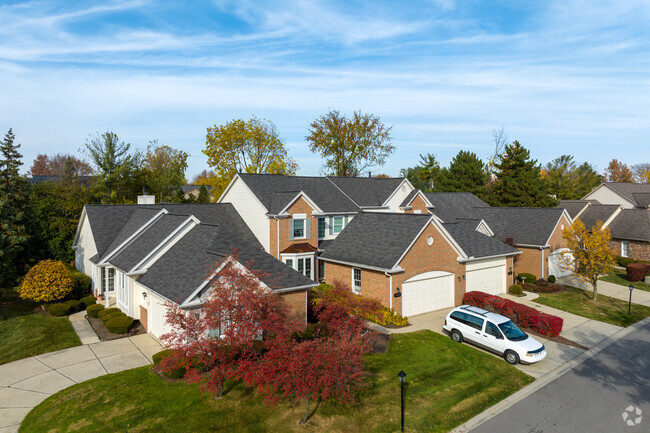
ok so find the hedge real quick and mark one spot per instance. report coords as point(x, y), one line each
point(103, 313)
point(80, 282)
point(516, 289)
point(92, 310)
point(524, 316)
point(551, 279)
point(157, 357)
point(637, 271)
point(119, 325)
point(624, 261)
point(542, 288)
point(107, 317)
point(88, 301)
point(58, 309)
point(529, 278)
point(75, 305)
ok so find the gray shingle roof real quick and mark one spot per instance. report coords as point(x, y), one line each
point(597, 212)
point(526, 225)
point(185, 266)
point(106, 221)
point(631, 224)
point(367, 191)
point(642, 199)
point(147, 241)
point(409, 197)
point(275, 190)
point(628, 190)
point(376, 239)
point(138, 218)
point(448, 206)
point(476, 244)
point(573, 207)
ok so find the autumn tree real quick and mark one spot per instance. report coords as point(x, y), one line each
point(424, 175)
point(642, 172)
point(466, 173)
point(45, 165)
point(616, 171)
point(350, 146)
point(518, 180)
point(14, 234)
point(589, 255)
point(164, 170)
point(47, 281)
point(120, 174)
point(249, 146)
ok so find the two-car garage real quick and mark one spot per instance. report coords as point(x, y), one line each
point(487, 276)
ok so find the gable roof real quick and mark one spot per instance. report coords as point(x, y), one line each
point(449, 206)
point(476, 244)
point(629, 191)
point(525, 225)
point(631, 224)
point(106, 221)
point(275, 191)
point(597, 212)
point(367, 191)
point(138, 219)
point(573, 207)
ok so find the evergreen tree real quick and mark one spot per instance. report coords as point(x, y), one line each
point(423, 176)
point(13, 203)
point(204, 196)
point(518, 181)
point(466, 173)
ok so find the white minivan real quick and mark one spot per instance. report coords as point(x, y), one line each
point(493, 332)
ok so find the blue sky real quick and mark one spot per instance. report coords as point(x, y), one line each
point(560, 76)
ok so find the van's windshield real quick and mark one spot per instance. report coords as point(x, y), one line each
point(512, 332)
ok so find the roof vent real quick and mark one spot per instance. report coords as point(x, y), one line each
point(146, 199)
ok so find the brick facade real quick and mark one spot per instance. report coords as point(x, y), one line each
point(535, 260)
point(300, 206)
point(297, 302)
point(418, 204)
point(638, 250)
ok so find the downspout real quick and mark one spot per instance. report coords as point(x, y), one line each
point(542, 251)
point(277, 234)
point(390, 293)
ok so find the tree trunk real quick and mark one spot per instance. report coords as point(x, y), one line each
point(595, 289)
point(304, 418)
point(219, 392)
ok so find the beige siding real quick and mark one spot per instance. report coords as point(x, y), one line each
point(606, 196)
point(155, 306)
point(85, 249)
point(398, 197)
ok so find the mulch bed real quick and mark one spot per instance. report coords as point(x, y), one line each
point(105, 335)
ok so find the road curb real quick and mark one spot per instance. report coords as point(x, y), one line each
point(493, 411)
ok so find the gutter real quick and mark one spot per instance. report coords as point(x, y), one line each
point(394, 270)
point(473, 259)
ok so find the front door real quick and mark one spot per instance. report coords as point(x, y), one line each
point(143, 318)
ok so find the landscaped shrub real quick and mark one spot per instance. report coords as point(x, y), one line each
point(157, 357)
point(80, 283)
point(527, 278)
point(624, 261)
point(103, 313)
point(46, 281)
point(92, 310)
point(516, 289)
point(119, 325)
point(74, 305)
point(311, 331)
point(88, 301)
point(524, 316)
point(389, 317)
point(58, 309)
point(541, 288)
point(107, 317)
point(637, 271)
point(551, 279)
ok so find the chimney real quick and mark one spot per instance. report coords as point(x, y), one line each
point(370, 174)
point(146, 199)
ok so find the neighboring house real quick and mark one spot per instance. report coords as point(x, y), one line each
point(194, 190)
point(536, 232)
point(624, 209)
point(141, 256)
point(415, 264)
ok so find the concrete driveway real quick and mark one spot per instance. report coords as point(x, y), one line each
point(27, 382)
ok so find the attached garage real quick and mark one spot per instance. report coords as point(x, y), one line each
point(426, 292)
point(487, 276)
point(555, 264)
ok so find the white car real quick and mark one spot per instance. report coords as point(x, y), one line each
point(493, 332)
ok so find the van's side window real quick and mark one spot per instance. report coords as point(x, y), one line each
point(491, 329)
point(474, 322)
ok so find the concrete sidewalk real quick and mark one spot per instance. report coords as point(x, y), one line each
point(83, 329)
point(27, 382)
point(612, 290)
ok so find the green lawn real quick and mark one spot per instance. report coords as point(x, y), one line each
point(623, 281)
point(24, 334)
point(448, 383)
point(604, 309)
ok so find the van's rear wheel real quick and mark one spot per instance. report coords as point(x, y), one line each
point(511, 357)
point(456, 336)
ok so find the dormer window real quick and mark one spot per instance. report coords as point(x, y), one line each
point(298, 229)
point(338, 224)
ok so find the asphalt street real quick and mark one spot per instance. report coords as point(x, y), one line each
point(590, 398)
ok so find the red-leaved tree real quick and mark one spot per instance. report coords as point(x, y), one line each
point(210, 342)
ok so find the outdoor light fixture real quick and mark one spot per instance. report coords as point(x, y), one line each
point(402, 379)
point(459, 278)
point(144, 295)
point(629, 305)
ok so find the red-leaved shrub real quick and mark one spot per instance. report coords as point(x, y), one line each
point(637, 271)
point(522, 315)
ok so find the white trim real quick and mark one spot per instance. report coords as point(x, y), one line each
point(135, 235)
point(628, 248)
point(295, 289)
point(397, 189)
point(424, 197)
point(182, 226)
point(581, 212)
point(485, 226)
point(359, 265)
point(473, 259)
point(79, 224)
point(309, 201)
point(614, 215)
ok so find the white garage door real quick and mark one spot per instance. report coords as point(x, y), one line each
point(555, 264)
point(427, 292)
point(486, 276)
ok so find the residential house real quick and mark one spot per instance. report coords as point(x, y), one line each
point(140, 257)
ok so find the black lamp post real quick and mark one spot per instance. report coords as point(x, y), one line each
point(402, 378)
point(629, 305)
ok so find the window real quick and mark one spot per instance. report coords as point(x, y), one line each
point(110, 279)
point(356, 276)
point(298, 228)
point(338, 224)
point(474, 322)
point(321, 270)
point(308, 267)
point(625, 249)
point(491, 329)
point(289, 262)
point(321, 228)
point(301, 266)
